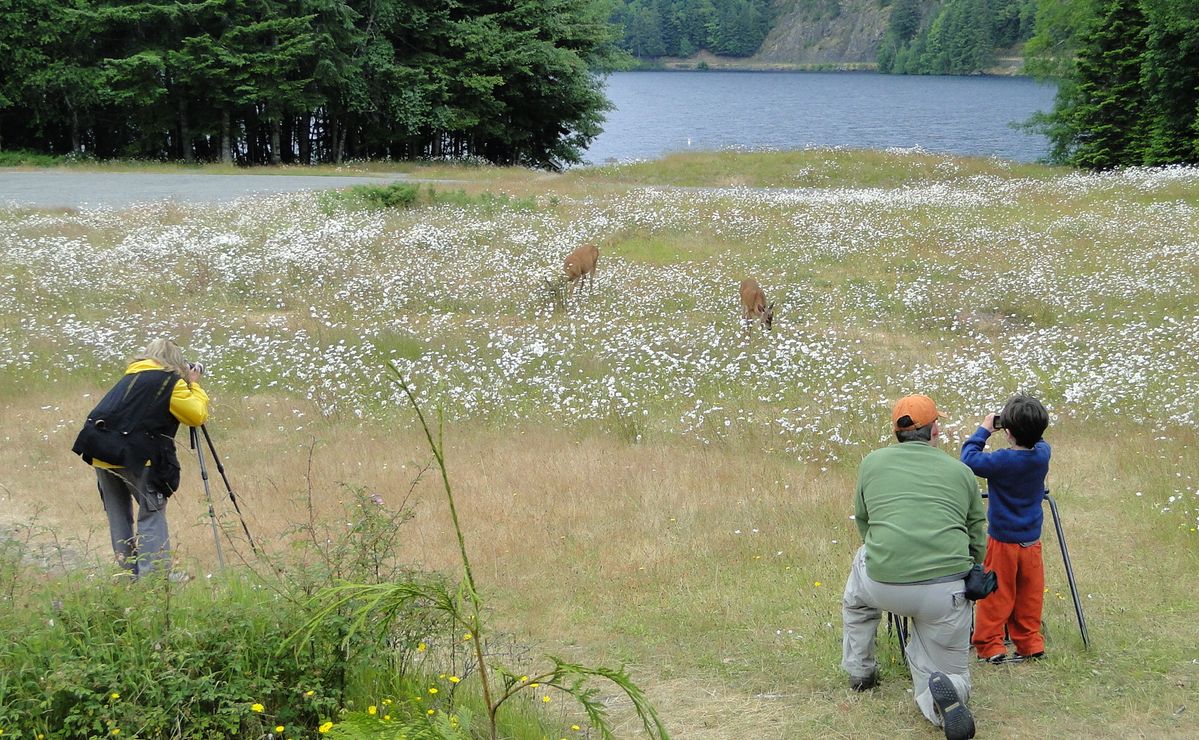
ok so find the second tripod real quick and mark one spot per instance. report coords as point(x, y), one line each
point(195, 444)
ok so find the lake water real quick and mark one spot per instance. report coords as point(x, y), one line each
point(661, 112)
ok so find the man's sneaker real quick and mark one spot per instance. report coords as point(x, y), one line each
point(1034, 656)
point(863, 683)
point(955, 717)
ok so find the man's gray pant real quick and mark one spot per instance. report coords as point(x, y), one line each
point(149, 549)
point(940, 638)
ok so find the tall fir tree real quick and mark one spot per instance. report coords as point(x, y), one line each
point(1102, 115)
point(1171, 78)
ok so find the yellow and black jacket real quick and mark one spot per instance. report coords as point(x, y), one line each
point(134, 424)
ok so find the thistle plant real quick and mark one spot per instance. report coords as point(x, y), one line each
point(377, 606)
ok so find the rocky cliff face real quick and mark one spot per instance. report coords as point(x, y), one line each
point(813, 32)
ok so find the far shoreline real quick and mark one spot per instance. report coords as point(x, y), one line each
point(706, 62)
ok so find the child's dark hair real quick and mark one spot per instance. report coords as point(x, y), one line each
point(1025, 418)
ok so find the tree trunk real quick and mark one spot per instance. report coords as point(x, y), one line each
point(305, 134)
point(75, 146)
point(185, 133)
point(287, 147)
point(335, 138)
point(252, 131)
point(226, 137)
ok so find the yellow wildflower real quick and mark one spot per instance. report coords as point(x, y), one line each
point(576, 728)
point(278, 729)
point(387, 716)
point(534, 685)
point(372, 710)
point(325, 727)
point(432, 689)
point(467, 637)
point(422, 648)
point(524, 678)
point(387, 702)
point(256, 707)
point(309, 692)
point(817, 584)
point(454, 679)
point(546, 699)
point(115, 731)
point(431, 712)
point(114, 696)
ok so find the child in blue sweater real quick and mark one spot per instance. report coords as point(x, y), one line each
point(1015, 488)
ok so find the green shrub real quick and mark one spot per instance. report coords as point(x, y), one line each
point(22, 158)
point(395, 195)
point(159, 659)
point(87, 655)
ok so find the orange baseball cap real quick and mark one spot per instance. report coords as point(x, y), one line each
point(913, 412)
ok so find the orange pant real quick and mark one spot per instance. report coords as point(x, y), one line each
point(1016, 604)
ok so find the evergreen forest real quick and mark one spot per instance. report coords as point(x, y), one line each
point(1129, 92)
point(952, 37)
point(680, 28)
point(305, 81)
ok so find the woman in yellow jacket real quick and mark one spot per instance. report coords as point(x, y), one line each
point(130, 440)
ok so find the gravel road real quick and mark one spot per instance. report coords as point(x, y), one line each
point(70, 189)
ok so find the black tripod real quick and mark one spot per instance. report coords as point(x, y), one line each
point(195, 444)
point(899, 625)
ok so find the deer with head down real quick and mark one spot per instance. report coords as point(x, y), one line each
point(754, 306)
point(580, 265)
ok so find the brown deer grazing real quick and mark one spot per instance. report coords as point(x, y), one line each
point(580, 266)
point(754, 306)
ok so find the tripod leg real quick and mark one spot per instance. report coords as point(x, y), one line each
point(900, 626)
point(216, 537)
point(228, 488)
point(1061, 540)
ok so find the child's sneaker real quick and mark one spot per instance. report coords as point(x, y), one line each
point(999, 659)
point(1033, 656)
point(955, 717)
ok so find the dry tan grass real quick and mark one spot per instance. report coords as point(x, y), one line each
point(695, 565)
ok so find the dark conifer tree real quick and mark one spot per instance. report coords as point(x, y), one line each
point(1102, 116)
point(1171, 78)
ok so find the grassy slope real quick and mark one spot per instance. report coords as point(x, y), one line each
point(710, 554)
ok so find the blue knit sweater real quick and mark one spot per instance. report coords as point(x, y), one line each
point(1015, 486)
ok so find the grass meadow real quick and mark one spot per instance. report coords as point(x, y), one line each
point(639, 482)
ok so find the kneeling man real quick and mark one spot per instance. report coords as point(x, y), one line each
point(922, 520)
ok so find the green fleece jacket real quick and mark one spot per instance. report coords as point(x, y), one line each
point(920, 513)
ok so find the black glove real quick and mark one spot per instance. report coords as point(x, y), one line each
point(980, 583)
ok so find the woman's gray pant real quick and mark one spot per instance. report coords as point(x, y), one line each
point(940, 638)
point(149, 548)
